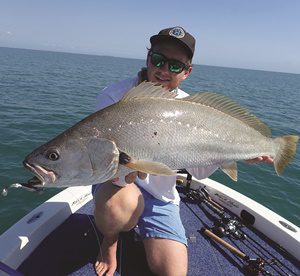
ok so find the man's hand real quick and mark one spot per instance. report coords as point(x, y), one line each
point(265, 159)
point(129, 178)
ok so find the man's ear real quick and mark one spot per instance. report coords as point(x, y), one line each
point(187, 72)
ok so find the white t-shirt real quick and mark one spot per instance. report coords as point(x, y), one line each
point(161, 187)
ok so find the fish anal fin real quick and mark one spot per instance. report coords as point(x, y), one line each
point(150, 167)
point(231, 170)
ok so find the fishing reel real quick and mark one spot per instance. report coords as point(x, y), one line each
point(225, 226)
point(255, 267)
point(229, 227)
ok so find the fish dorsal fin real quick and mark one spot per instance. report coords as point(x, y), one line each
point(231, 108)
point(148, 90)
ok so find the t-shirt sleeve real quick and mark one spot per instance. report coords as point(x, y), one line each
point(104, 99)
point(204, 172)
point(114, 93)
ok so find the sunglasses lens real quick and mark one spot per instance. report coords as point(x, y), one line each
point(157, 60)
point(176, 66)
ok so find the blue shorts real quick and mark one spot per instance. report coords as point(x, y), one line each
point(160, 220)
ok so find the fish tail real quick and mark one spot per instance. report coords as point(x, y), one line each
point(287, 149)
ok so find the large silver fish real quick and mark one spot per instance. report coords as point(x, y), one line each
point(152, 132)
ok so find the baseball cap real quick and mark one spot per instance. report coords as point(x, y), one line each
point(176, 34)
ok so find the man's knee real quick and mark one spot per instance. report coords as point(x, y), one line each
point(117, 209)
point(166, 257)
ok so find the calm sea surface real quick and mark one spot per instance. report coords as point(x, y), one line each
point(43, 93)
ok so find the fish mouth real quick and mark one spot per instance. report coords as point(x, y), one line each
point(42, 175)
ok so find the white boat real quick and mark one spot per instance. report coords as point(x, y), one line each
point(228, 234)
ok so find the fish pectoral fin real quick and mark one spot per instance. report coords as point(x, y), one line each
point(150, 167)
point(231, 170)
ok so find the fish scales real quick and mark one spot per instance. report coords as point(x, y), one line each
point(181, 134)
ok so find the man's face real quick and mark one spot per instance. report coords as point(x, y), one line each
point(162, 75)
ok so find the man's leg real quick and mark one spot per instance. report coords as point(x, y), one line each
point(164, 237)
point(117, 209)
point(166, 257)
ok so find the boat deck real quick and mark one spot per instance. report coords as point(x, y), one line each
point(72, 248)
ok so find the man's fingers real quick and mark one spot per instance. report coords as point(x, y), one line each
point(129, 178)
point(142, 175)
point(266, 159)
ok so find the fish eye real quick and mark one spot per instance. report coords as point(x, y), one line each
point(53, 155)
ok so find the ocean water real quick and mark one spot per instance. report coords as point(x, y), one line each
point(43, 93)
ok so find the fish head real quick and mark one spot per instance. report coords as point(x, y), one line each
point(70, 161)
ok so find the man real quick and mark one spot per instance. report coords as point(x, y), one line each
point(151, 202)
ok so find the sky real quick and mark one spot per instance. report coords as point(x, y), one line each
point(252, 34)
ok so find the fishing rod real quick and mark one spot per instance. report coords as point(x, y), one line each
point(228, 225)
point(253, 266)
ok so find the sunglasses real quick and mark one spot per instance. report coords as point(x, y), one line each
point(175, 66)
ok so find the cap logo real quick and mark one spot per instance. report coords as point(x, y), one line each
point(177, 32)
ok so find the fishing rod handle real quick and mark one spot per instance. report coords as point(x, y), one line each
point(224, 243)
